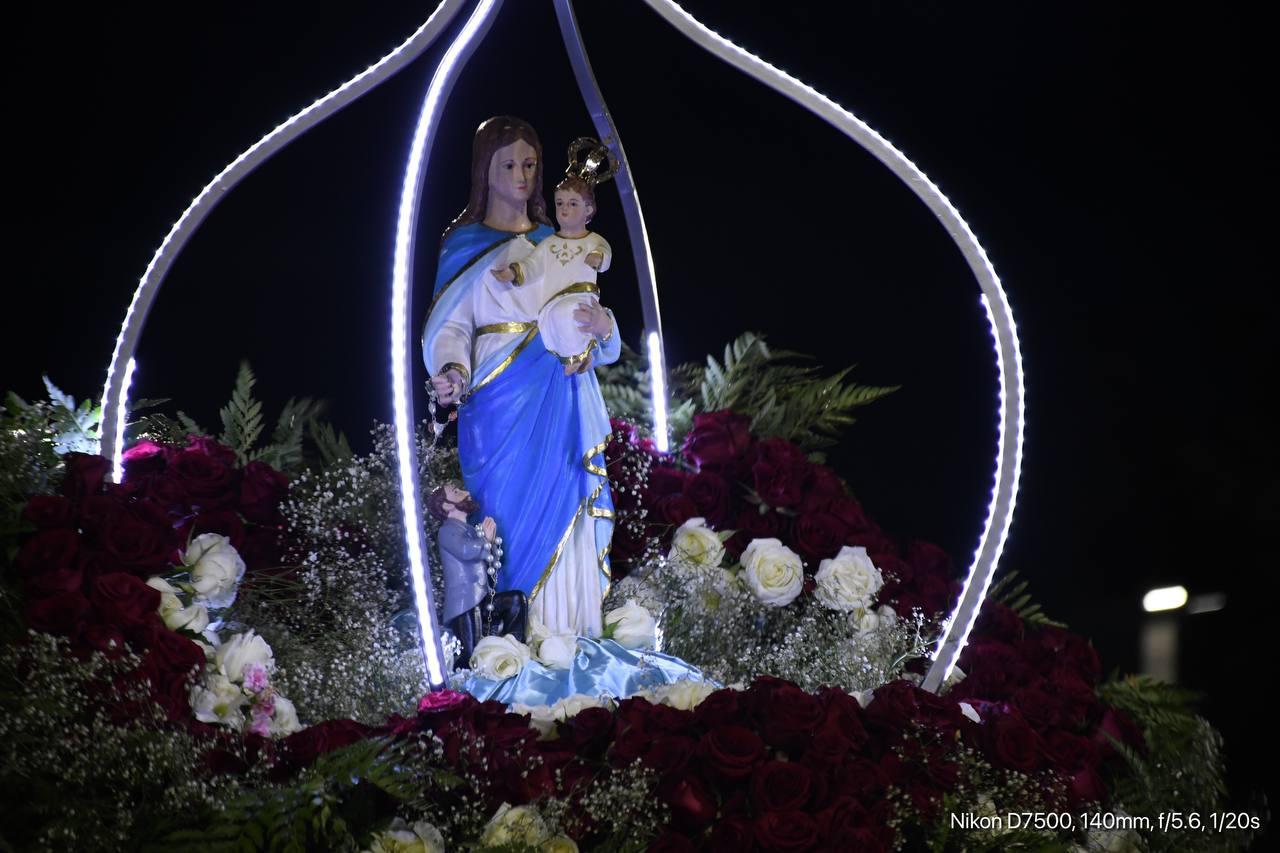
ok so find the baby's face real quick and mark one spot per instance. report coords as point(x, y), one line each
point(571, 211)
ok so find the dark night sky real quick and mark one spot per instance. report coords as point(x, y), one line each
point(1110, 158)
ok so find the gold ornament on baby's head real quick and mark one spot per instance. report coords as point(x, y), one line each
point(591, 161)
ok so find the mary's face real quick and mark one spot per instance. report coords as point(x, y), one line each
point(511, 172)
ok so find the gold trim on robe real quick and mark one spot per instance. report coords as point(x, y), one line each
point(588, 503)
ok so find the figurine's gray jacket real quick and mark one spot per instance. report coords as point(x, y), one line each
point(463, 563)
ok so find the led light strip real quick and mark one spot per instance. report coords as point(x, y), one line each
point(117, 455)
point(646, 278)
point(1008, 354)
point(658, 371)
point(401, 364)
point(114, 390)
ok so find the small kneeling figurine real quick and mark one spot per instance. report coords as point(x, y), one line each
point(470, 557)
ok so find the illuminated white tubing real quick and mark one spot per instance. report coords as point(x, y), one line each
point(117, 456)
point(1008, 354)
point(401, 363)
point(646, 278)
point(659, 374)
point(113, 392)
point(1165, 598)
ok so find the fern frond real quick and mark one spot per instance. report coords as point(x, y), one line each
point(242, 417)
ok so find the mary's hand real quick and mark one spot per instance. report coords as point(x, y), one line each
point(449, 386)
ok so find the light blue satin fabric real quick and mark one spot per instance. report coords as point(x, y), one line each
point(601, 668)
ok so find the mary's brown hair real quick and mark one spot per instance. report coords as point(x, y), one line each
point(492, 134)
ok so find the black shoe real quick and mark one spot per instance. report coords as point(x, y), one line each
point(467, 628)
point(510, 614)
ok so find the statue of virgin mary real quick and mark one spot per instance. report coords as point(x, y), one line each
point(531, 434)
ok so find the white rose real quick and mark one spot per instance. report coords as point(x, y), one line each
point(500, 657)
point(559, 844)
point(218, 701)
point(570, 706)
point(849, 580)
point(696, 544)
point(159, 583)
point(630, 626)
point(176, 617)
point(888, 616)
point(868, 620)
point(773, 572)
point(240, 651)
point(422, 837)
point(285, 719)
point(685, 694)
point(541, 717)
point(215, 567)
point(558, 650)
point(519, 825)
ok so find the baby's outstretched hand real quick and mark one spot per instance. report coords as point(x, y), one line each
point(595, 260)
point(504, 274)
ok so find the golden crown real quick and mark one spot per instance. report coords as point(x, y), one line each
point(591, 160)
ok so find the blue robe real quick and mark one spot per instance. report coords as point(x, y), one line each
point(530, 439)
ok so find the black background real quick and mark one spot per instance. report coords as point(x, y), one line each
point(1109, 157)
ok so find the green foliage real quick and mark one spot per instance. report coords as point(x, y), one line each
point(784, 397)
point(243, 424)
point(1182, 768)
point(1012, 593)
point(319, 810)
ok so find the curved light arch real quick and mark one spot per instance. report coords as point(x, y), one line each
point(1008, 351)
point(415, 176)
point(115, 390)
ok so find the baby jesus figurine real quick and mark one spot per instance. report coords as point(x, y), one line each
point(570, 320)
point(470, 557)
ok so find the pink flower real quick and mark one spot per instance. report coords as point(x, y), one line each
point(261, 722)
point(255, 677)
point(440, 699)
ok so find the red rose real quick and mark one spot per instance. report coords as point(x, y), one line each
point(671, 842)
point(848, 825)
point(85, 475)
point(731, 752)
point(224, 522)
point(669, 754)
point(169, 492)
point(780, 786)
point(58, 614)
point(590, 731)
point(1041, 711)
point(712, 497)
point(1070, 753)
point(998, 622)
point(208, 479)
point(850, 513)
point(732, 835)
point(692, 802)
point(144, 460)
point(301, 749)
point(48, 551)
point(789, 716)
point(894, 568)
point(780, 472)
point(664, 480)
point(927, 558)
point(1079, 704)
point(817, 537)
point(48, 512)
point(171, 653)
point(821, 487)
point(70, 579)
point(136, 545)
point(103, 637)
point(1116, 725)
point(717, 439)
point(753, 524)
point(206, 446)
point(674, 510)
point(720, 707)
point(261, 491)
point(861, 779)
point(1057, 647)
point(439, 699)
point(1087, 787)
point(786, 831)
point(1015, 744)
point(875, 540)
point(123, 599)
